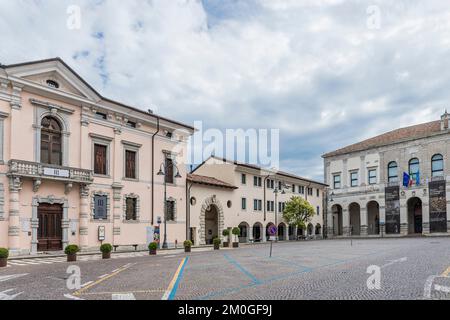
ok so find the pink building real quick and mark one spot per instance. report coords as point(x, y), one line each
point(77, 168)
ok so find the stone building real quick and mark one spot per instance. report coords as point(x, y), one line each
point(225, 194)
point(76, 167)
point(368, 195)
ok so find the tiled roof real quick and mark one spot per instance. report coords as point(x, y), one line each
point(403, 134)
point(210, 181)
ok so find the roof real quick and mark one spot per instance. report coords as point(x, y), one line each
point(58, 59)
point(255, 167)
point(209, 181)
point(399, 135)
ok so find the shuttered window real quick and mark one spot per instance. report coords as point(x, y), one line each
point(130, 164)
point(100, 207)
point(170, 210)
point(169, 170)
point(131, 212)
point(51, 149)
point(100, 159)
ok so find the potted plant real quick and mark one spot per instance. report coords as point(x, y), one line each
point(187, 246)
point(216, 242)
point(4, 254)
point(71, 250)
point(226, 233)
point(152, 248)
point(106, 249)
point(236, 232)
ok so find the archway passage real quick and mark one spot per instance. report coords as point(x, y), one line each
point(414, 216)
point(281, 231)
point(50, 227)
point(243, 236)
point(355, 218)
point(337, 222)
point(257, 231)
point(291, 232)
point(300, 233)
point(211, 224)
point(318, 229)
point(267, 230)
point(373, 218)
point(310, 229)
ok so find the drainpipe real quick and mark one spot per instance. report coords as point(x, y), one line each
point(188, 210)
point(264, 203)
point(153, 171)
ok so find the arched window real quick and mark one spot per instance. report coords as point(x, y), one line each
point(437, 165)
point(51, 150)
point(414, 168)
point(392, 172)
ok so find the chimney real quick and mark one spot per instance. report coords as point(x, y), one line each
point(444, 121)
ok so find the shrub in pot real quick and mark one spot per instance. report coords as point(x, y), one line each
point(216, 242)
point(187, 246)
point(236, 232)
point(226, 234)
point(152, 247)
point(106, 249)
point(4, 254)
point(71, 250)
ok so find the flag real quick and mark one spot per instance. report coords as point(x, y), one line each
point(418, 178)
point(406, 179)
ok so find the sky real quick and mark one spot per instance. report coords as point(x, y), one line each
point(326, 73)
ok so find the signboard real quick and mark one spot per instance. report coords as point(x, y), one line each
point(156, 234)
point(392, 210)
point(438, 206)
point(150, 235)
point(272, 230)
point(101, 233)
point(61, 173)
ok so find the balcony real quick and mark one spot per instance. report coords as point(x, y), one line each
point(40, 171)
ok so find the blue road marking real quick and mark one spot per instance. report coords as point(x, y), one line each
point(180, 276)
point(242, 269)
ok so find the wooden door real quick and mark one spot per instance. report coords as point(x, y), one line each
point(50, 229)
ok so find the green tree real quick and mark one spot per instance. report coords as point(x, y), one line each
point(298, 212)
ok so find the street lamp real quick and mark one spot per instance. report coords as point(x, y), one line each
point(162, 172)
point(276, 191)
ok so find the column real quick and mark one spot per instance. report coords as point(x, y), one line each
point(345, 222)
point(117, 186)
point(382, 219)
point(329, 226)
point(364, 221)
point(295, 232)
point(15, 185)
point(403, 217)
point(263, 234)
point(286, 233)
point(117, 211)
point(250, 233)
point(425, 217)
point(84, 217)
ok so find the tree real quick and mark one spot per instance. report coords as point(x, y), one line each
point(298, 212)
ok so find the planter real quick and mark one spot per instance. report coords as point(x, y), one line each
point(106, 255)
point(216, 246)
point(235, 244)
point(152, 252)
point(3, 262)
point(187, 249)
point(72, 257)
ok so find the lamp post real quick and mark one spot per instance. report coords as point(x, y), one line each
point(276, 191)
point(162, 172)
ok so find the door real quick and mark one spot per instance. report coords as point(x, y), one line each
point(50, 229)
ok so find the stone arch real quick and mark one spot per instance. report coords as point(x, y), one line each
point(244, 227)
point(211, 201)
point(373, 217)
point(337, 219)
point(354, 210)
point(282, 231)
point(415, 219)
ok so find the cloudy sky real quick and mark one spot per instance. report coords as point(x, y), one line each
point(327, 73)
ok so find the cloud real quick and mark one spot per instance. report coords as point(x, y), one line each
point(313, 69)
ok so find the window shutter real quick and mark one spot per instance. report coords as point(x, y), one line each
point(100, 207)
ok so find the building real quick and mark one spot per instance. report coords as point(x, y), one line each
point(225, 194)
point(368, 195)
point(79, 168)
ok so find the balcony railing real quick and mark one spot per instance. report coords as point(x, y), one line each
point(38, 170)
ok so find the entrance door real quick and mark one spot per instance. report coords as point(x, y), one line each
point(50, 229)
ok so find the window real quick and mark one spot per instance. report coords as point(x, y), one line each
point(293, 188)
point(392, 172)
point(229, 204)
point(257, 181)
point(131, 124)
point(310, 191)
point(281, 207)
point(169, 134)
point(437, 165)
point(301, 189)
point(100, 207)
point(52, 84)
point(257, 205)
point(169, 170)
point(102, 116)
point(271, 206)
point(100, 159)
point(244, 204)
point(270, 184)
point(243, 178)
point(373, 176)
point(414, 168)
point(318, 193)
point(51, 148)
point(170, 207)
point(354, 179)
point(280, 185)
point(337, 181)
point(131, 212)
point(318, 210)
point(130, 164)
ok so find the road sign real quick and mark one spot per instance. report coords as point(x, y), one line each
point(272, 230)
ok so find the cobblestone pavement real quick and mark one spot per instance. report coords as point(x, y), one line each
point(409, 268)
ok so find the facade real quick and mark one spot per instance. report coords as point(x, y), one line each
point(368, 195)
point(79, 168)
point(225, 194)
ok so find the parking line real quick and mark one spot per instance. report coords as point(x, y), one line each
point(242, 269)
point(173, 286)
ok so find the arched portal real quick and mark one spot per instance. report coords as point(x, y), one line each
point(373, 218)
point(243, 236)
point(318, 229)
point(211, 220)
point(211, 224)
point(355, 218)
point(282, 231)
point(257, 232)
point(310, 229)
point(267, 230)
point(414, 216)
point(291, 232)
point(337, 222)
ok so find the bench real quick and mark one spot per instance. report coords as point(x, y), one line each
point(126, 245)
